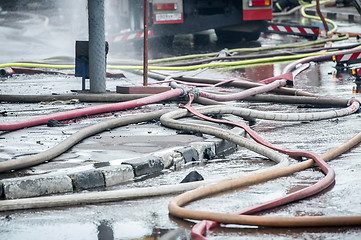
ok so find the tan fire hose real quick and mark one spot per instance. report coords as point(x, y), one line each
point(176, 209)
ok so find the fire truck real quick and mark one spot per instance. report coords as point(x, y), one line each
point(229, 18)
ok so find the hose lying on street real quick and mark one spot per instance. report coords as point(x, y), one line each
point(324, 57)
point(49, 154)
point(175, 206)
point(278, 116)
point(9, 126)
point(287, 99)
point(198, 230)
point(254, 49)
point(245, 93)
point(66, 144)
point(117, 195)
point(183, 68)
point(264, 55)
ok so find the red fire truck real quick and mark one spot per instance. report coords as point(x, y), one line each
point(229, 18)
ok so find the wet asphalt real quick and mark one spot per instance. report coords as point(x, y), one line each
point(149, 218)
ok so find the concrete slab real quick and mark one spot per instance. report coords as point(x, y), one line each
point(86, 180)
point(33, 186)
point(115, 175)
point(145, 166)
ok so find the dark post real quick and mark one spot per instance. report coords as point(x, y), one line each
point(145, 59)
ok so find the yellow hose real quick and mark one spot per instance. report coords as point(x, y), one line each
point(223, 64)
point(334, 29)
point(236, 64)
point(242, 63)
point(183, 68)
point(244, 50)
point(38, 65)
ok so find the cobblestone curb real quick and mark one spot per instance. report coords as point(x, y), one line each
point(33, 186)
point(109, 174)
point(92, 179)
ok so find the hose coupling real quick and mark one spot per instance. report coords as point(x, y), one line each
point(224, 53)
point(353, 100)
point(195, 92)
point(175, 85)
point(6, 72)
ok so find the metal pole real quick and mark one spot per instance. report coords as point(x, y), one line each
point(145, 59)
point(97, 60)
point(318, 10)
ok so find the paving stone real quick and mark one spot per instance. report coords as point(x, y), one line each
point(33, 186)
point(1, 189)
point(145, 166)
point(169, 156)
point(115, 175)
point(206, 150)
point(190, 154)
point(88, 180)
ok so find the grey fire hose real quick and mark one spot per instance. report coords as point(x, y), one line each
point(117, 195)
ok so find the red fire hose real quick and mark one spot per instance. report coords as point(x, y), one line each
point(204, 226)
point(245, 93)
point(14, 125)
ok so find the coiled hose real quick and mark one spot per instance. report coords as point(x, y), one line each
point(117, 195)
point(245, 93)
point(202, 227)
point(277, 116)
point(176, 209)
point(49, 154)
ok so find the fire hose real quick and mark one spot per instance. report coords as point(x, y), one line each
point(116, 195)
point(9, 126)
point(202, 227)
point(183, 68)
point(96, 197)
point(176, 210)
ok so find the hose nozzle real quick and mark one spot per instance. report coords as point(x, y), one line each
point(6, 72)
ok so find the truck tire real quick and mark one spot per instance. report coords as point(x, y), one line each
point(232, 36)
point(252, 36)
point(162, 41)
point(224, 36)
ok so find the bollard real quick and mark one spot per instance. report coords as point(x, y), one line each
point(97, 61)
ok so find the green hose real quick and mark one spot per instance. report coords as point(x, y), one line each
point(38, 65)
point(245, 50)
point(223, 64)
point(334, 29)
point(242, 63)
point(183, 68)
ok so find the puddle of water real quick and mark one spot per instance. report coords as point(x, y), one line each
point(123, 222)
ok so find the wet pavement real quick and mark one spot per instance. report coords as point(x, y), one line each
point(149, 218)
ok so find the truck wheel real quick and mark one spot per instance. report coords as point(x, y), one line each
point(251, 36)
point(231, 36)
point(163, 41)
point(228, 36)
